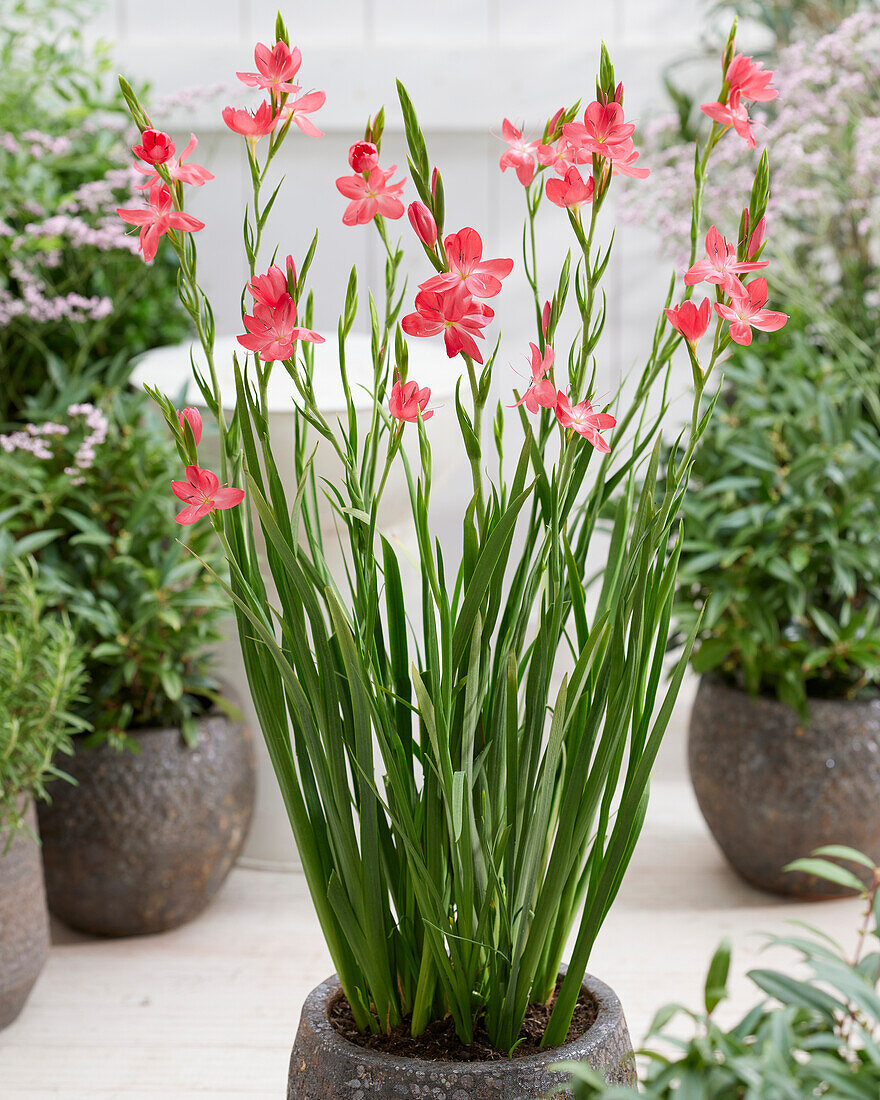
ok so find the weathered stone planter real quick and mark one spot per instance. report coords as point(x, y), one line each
point(24, 922)
point(145, 840)
point(773, 789)
point(326, 1066)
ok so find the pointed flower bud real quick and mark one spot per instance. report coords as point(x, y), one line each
point(422, 221)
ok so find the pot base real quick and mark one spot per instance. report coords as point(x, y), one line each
point(324, 1065)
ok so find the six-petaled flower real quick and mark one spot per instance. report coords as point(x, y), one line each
point(251, 124)
point(584, 420)
point(158, 218)
point(276, 68)
point(721, 265)
point(690, 320)
point(520, 155)
point(408, 403)
point(467, 268)
point(541, 393)
point(571, 192)
point(746, 311)
point(272, 332)
point(371, 196)
point(201, 493)
point(454, 313)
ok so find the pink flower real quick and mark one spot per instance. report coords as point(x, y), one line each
point(304, 105)
point(571, 192)
point(363, 156)
point(276, 68)
point(371, 196)
point(732, 114)
point(520, 156)
point(155, 148)
point(273, 288)
point(272, 332)
point(690, 320)
point(749, 79)
point(720, 265)
point(603, 131)
point(757, 237)
point(408, 402)
point(557, 157)
point(480, 278)
point(541, 392)
point(252, 125)
point(746, 311)
point(187, 173)
point(583, 420)
point(202, 493)
point(158, 219)
point(422, 221)
point(626, 166)
point(455, 314)
point(545, 317)
point(192, 417)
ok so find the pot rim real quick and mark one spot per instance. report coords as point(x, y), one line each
point(228, 693)
point(716, 681)
point(609, 1012)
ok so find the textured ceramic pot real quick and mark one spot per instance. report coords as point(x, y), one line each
point(326, 1066)
point(144, 840)
point(772, 788)
point(24, 921)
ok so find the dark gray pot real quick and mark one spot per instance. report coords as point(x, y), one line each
point(24, 922)
point(773, 789)
point(145, 840)
point(326, 1066)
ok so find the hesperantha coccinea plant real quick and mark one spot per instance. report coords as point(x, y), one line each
point(465, 790)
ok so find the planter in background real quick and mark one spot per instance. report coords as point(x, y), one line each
point(145, 840)
point(24, 922)
point(773, 789)
point(325, 1065)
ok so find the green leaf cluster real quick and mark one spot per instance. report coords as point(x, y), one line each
point(42, 675)
point(817, 1034)
point(781, 547)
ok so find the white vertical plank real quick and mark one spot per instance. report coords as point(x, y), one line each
point(336, 21)
point(458, 23)
point(200, 21)
point(559, 21)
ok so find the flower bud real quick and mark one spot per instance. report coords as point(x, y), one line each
point(757, 237)
point(545, 318)
point(156, 147)
point(192, 417)
point(363, 156)
point(422, 221)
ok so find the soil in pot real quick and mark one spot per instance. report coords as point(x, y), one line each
point(773, 788)
point(144, 840)
point(24, 921)
point(332, 1061)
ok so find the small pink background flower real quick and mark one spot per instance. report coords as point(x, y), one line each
point(521, 154)
point(541, 392)
point(201, 493)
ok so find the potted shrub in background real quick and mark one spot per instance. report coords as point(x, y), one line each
point(785, 736)
point(41, 677)
point(816, 1035)
point(466, 787)
point(165, 782)
point(73, 292)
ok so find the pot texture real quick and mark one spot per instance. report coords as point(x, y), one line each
point(145, 840)
point(773, 789)
point(24, 922)
point(326, 1066)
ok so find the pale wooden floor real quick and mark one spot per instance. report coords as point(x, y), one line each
point(212, 1008)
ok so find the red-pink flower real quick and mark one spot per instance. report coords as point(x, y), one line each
point(541, 392)
point(720, 265)
point(371, 196)
point(158, 218)
point(276, 68)
point(363, 156)
point(155, 147)
point(192, 417)
point(570, 192)
point(303, 105)
point(582, 419)
point(557, 157)
point(734, 114)
point(272, 332)
point(757, 237)
point(626, 166)
point(480, 278)
point(690, 320)
point(603, 131)
point(251, 124)
point(273, 288)
point(193, 174)
point(408, 402)
point(455, 314)
point(750, 79)
point(545, 317)
point(422, 221)
point(746, 311)
point(202, 494)
point(521, 154)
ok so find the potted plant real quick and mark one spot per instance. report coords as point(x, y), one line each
point(165, 782)
point(785, 734)
point(73, 291)
point(466, 779)
point(814, 1035)
point(41, 677)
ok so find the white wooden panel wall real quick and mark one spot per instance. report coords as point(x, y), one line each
point(467, 63)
